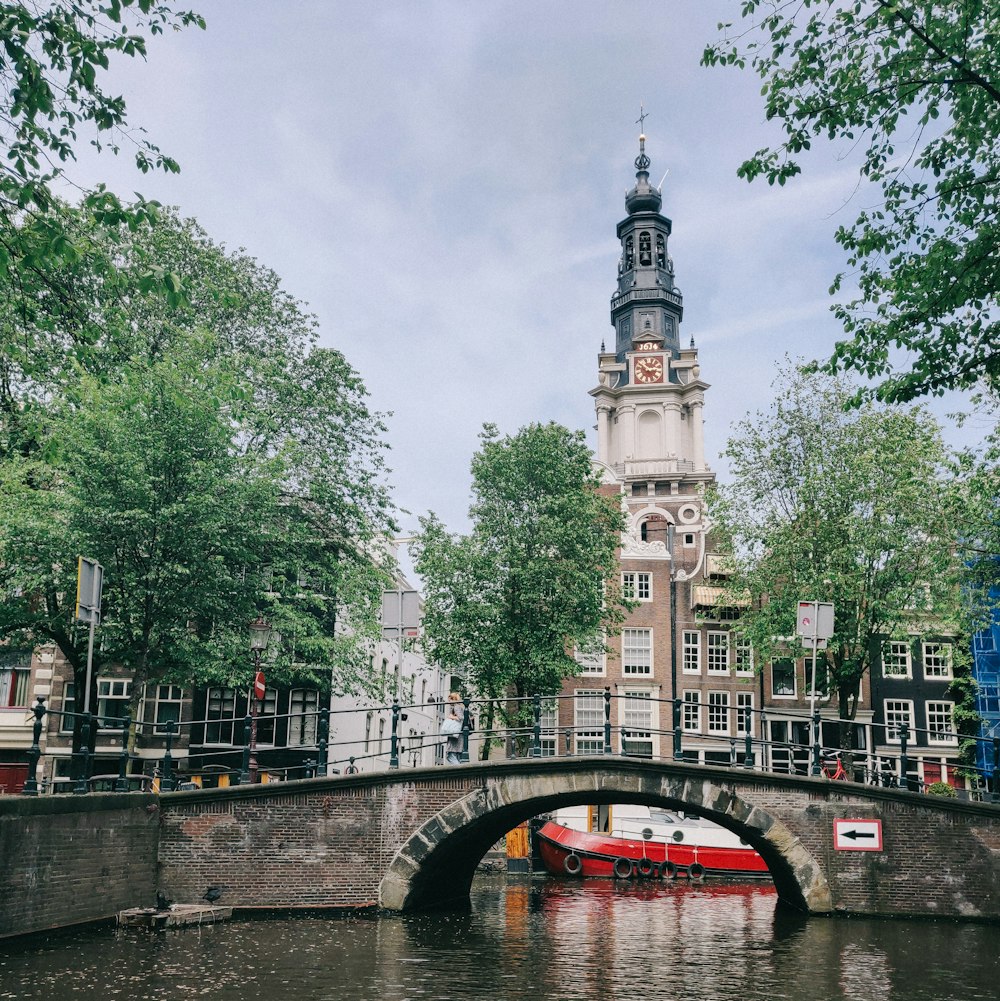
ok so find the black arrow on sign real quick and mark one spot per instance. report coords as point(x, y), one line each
point(854, 835)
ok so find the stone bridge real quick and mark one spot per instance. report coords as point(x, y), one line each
point(411, 839)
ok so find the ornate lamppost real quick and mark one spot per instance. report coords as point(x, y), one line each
point(260, 634)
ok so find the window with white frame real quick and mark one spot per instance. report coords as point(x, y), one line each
point(220, 713)
point(67, 720)
point(896, 659)
point(691, 712)
point(590, 661)
point(588, 721)
point(742, 654)
point(113, 696)
point(266, 716)
point(15, 669)
point(783, 678)
point(717, 653)
point(744, 714)
point(637, 586)
point(718, 712)
point(303, 716)
point(937, 660)
point(941, 723)
point(898, 712)
point(637, 652)
point(822, 677)
point(637, 722)
point(550, 727)
point(162, 704)
point(691, 651)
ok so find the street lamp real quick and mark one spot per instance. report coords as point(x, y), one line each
point(260, 634)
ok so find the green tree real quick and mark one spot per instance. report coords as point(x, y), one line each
point(914, 86)
point(52, 58)
point(535, 578)
point(273, 459)
point(848, 506)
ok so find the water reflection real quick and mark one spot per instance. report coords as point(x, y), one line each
point(538, 938)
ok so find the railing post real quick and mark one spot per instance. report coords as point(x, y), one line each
point(245, 766)
point(748, 747)
point(569, 741)
point(394, 737)
point(35, 751)
point(732, 752)
point(817, 768)
point(766, 759)
point(466, 729)
point(121, 783)
point(995, 798)
point(84, 773)
point(323, 744)
point(167, 777)
point(607, 719)
point(678, 747)
point(904, 761)
point(536, 734)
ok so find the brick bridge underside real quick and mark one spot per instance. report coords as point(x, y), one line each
point(412, 839)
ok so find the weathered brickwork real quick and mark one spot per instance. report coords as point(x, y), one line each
point(413, 838)
point(66, 860)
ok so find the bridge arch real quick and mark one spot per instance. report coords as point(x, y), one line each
point(436, 864)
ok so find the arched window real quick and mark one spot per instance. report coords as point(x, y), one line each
point(629, 254)
point(661, 251)
point(654, 529)
point(645, 251)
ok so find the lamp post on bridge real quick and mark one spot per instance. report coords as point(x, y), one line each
point(260, 635)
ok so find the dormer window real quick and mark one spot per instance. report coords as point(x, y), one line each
point(645, 249)
point(629, 254)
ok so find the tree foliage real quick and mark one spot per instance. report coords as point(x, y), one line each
point(913, 85)
point(536, 576)
point(215, 475)
point(848, 506)
point(52, 58)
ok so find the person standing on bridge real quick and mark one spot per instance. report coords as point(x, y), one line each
point(452, 729)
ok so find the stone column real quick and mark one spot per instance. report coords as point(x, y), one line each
point(697, 435)
point(604, 433)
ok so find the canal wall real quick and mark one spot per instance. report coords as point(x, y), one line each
point(67, 860)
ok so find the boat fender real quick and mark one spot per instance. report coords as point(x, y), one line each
point(573, 864)
point(670, 870)
point(646, 868)
point(622, 868)
point(696, 871)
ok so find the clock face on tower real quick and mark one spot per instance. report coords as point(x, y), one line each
point(647, 370)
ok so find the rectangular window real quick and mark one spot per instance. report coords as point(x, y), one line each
point(637, 724)
point(718, 712)
point(637, 652)
point(113, 696)
point(744, 714)
point(937, 660)
point(941, 723)
point(742, 654)
point(15, 669)
point(162, 703)
point(783, 678)
point(897, 713)
point(637, 586)
point(590, 661)
point(691, 656)
point(896, 659)
point(588, 721)
point(303, 717)
point(550, 727)
point(717, 653)
point(822, 677)
point(691, 715)
point(67, 720)
point(267, 713)
point(220, 716)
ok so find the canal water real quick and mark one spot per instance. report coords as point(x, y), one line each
point(527, 937)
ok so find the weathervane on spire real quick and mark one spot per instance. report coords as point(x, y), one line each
point(642, 161)
point(641, 120)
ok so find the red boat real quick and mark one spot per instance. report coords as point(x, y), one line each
point(658, 844)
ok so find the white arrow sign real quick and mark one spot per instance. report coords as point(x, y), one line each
point(857, 835)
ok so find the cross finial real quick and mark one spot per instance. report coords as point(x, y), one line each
point(641, 120)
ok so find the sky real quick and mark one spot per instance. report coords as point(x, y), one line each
point(440, 182)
